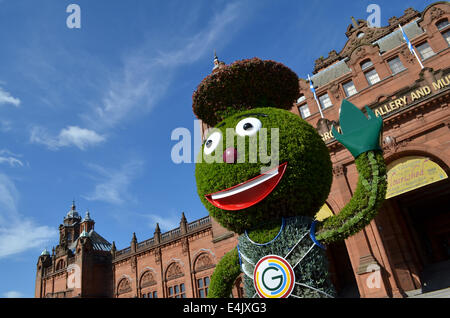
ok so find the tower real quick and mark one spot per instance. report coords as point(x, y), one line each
point(80, 265)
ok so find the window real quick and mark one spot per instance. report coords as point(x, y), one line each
point(325, 101)
point(202, 285)
point(301, 99)
point(177, 291)
point(360, 35)
point(304, 111)
point(425, 50)
point(372, 77)
point(366, 64)
point(396, 65)
point(152, 295)
point(442, 24)
point(349, 88)
point(446, 36)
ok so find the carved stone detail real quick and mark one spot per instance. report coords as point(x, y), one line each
point(124, 286)
point(436, 13)
point(158, 256)
point(338, 170)
point(174, 271)
point(184, 246)
point(148, 279)
point(203, 262)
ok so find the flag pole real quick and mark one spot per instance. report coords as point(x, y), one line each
point(311, 86)
point(410, 46)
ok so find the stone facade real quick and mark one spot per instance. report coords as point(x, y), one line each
point(414, 105)
point(389, 258)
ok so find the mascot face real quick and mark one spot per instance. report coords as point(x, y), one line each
point(261, 164)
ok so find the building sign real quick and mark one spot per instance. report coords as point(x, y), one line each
point(403, 101)
point(412, 172)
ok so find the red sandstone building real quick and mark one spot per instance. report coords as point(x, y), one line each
point(399, 254)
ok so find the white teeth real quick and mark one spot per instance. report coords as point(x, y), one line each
point(268, 175)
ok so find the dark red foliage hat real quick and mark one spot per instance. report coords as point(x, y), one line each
point(244, 85)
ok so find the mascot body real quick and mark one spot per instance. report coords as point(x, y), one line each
point(264, 173)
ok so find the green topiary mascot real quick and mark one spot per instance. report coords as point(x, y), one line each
point(263, 172)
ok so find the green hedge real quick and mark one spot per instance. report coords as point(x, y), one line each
point(303, 188)
point(244, 85)
point(363, 206)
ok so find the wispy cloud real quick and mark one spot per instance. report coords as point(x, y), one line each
point(113, 184)
point(167, 221)
point(13, 293)
point(17, 232)
point(70, 136)
point(146, 76)
point(7, 156)
point(6, 98)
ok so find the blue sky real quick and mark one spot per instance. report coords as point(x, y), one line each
point(87, 114)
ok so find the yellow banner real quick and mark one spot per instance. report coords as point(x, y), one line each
point(409, 173)
point(323, 213)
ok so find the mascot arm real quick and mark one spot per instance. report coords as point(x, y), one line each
point(224, 276)
point(361, 136)
point(363, 206)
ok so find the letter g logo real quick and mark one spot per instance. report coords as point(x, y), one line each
point(273, 277)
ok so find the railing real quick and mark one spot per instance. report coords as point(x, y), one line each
point(199, 223)
point(170, 234)
point(167, 236)
point(124, 251)
point(146, 243)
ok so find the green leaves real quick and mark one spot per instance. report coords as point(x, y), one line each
point(243, 85)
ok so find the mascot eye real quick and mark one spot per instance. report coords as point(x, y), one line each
point(248, 126)
point(212, 142)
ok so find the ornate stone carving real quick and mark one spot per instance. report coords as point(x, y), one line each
point(407, 55)
point(436, 13)
point(133, 264)
point(148, 279)
point(334, 89)
point(184, 246)
point(124, 286)
point(174, 271)
point(203, 262)
point(338, 170)
point(390, 144)
point(158, 256)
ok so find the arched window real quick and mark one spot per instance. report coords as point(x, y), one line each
point(366, 64)
point(175, 286)
point(203, 268)
point(147, 279)
point(442, 24)
point(124, 286)
point(60, 264)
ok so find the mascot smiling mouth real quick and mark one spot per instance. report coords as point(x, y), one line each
point(247, 193)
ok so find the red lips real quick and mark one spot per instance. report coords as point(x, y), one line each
point(248, 193)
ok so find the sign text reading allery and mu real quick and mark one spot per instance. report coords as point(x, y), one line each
point(403, 101)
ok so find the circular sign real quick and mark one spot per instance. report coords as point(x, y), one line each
point(273, 277)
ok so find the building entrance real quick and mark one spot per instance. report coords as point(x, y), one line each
point(426, 212)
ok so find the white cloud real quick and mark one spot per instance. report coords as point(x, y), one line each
point(7, 156)
point(70, 136)
point(18, 233)
point(145, 76)
point(13, 293)
point(166, 222)
point(6, 98)
point(113, 185)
